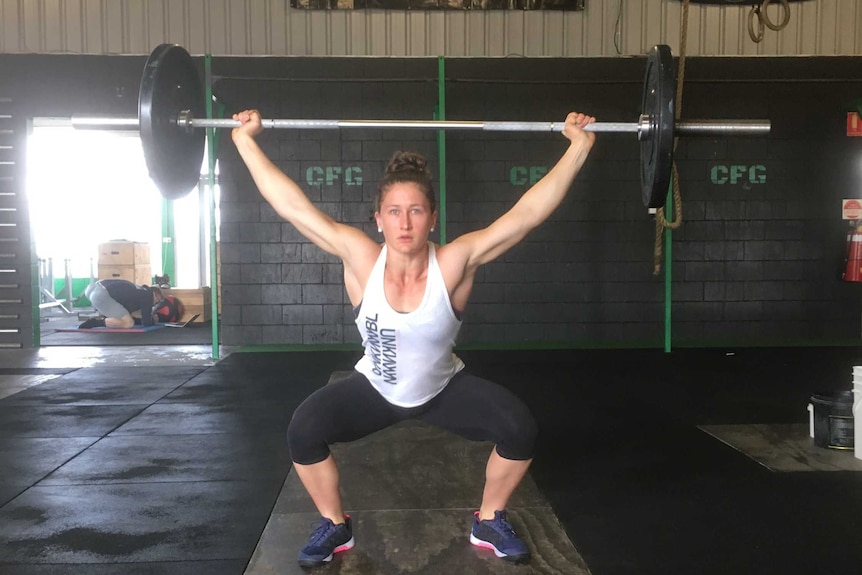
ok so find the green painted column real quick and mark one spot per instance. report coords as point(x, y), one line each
point(168, 241)
point(211, 161)
point(441, 145)
point(668, 261)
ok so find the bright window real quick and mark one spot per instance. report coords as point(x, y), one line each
point(87, 187)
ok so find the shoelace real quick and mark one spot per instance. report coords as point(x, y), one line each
point(504, 526)
point(324, 528)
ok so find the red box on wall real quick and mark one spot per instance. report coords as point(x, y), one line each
point(854, 124)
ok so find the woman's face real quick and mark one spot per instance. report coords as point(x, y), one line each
point(405, 217)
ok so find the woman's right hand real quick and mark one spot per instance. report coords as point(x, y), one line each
point(251, 124)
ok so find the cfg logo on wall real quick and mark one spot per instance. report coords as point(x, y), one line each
point(331, 175)
point(520, 175)
point(721, 174)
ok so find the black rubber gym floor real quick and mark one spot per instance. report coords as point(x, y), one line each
point(178, 470)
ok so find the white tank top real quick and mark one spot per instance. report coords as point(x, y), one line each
point(408, 356)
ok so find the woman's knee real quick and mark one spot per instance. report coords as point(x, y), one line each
point(306, 442)
point(337, 412)
point(518, 437)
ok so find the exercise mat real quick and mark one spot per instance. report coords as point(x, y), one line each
point(135, 329)
point(194, 334)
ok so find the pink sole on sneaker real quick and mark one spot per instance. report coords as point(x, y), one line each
point(339, 549)
point(345, 547)
point(485, 545)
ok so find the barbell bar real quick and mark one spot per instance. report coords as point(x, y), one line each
point(682, 128)
point(171, 102)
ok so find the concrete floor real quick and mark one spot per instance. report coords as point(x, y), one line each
point(47, 357)
point(83, 356)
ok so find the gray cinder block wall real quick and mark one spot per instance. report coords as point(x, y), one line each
point(761, 253)
point(276, 286)
point(757, 260)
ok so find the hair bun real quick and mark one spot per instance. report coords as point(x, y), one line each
point(407, 162)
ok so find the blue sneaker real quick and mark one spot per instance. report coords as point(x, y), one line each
point(327, 540)
point(497, 534)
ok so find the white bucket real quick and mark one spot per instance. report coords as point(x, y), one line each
point(857, 420)
point(857, 411)
point(811, 420)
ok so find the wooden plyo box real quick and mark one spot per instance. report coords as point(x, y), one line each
point(139, 275)
point(122, 253)
point(195, 301)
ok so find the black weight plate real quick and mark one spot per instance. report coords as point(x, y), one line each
point(174, 155)
point(658, 107)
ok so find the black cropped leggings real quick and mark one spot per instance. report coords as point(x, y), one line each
point(349, 409)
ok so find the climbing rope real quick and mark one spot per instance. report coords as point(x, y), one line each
point(661, 222)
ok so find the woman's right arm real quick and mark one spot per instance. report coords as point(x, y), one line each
point(286, 197)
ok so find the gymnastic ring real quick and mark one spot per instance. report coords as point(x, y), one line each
point(755, 13)
point(764, 15)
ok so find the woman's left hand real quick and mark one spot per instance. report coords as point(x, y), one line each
point(573, 130)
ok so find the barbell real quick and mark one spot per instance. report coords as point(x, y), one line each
point(171, 110)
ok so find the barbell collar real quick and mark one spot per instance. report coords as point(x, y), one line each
point(684, 128)
point(722, 127)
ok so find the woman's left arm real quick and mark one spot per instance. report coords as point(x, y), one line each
point(536, 205)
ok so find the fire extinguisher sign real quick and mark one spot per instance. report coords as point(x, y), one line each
point(851, 209)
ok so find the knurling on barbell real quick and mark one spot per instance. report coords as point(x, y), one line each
point(171, 105)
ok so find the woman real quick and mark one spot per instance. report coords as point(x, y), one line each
point(117, 300)
point(408, 295)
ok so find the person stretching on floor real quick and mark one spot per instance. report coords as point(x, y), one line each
point(117, 300)
point(408, 296)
